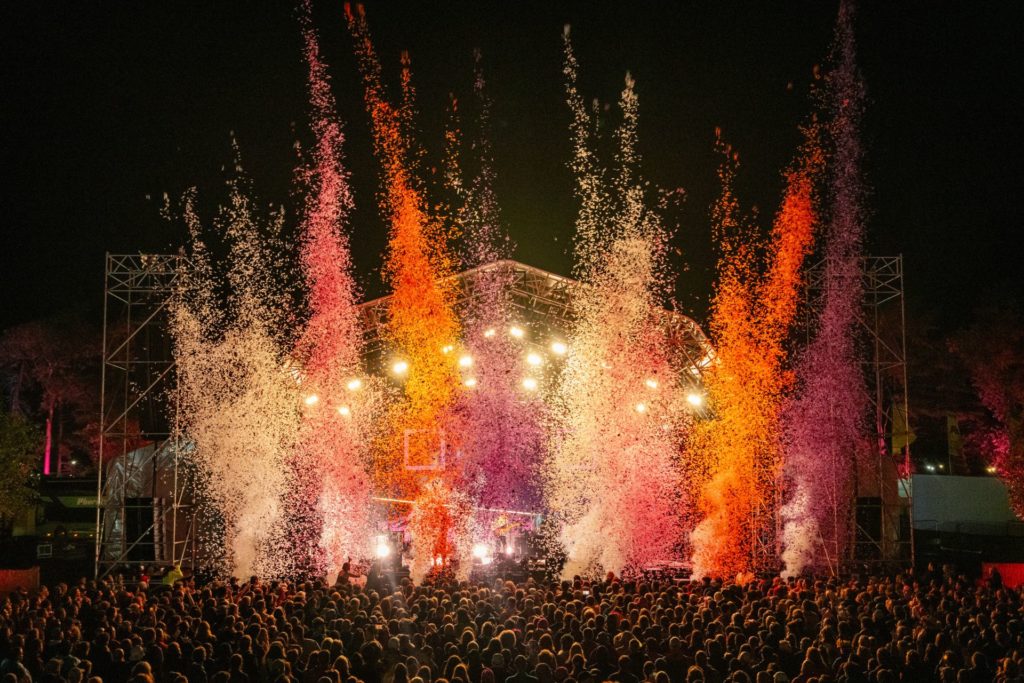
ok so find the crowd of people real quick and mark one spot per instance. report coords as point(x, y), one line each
point(900, 627)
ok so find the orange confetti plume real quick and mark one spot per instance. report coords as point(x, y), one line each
point(736, 454)
point(422, 319)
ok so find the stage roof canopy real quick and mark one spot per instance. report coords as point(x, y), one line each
point(546, 300)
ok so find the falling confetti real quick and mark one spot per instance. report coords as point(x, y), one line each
point(421, 316)
point(612, 475)
point(330, 463)
point(825, 429)
point(236, 402)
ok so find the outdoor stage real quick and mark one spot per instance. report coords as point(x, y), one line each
point(147, 513)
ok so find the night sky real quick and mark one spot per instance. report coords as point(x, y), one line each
point(107, 105)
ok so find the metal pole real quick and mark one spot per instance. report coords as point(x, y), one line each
point(905, 482)
point(103, 397)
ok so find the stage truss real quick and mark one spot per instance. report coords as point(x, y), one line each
point(880, 517)
point(142, 509)
point(545, 300)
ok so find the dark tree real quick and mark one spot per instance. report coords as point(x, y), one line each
point(992, 348)
point(51, 372)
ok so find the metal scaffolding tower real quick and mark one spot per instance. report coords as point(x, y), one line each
point(142, 511)
point(880, 516)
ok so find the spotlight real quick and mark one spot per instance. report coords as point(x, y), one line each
point(479, 551)
point(344, 411)
point(382, 549)
point(991, 469)
point(465, 361)
point(651, 383)
point(438, 561)
point(311, 400)
point(74, 462)
point(489, 332)
point(447, 349)
point(695, 399)
point(354, 384)
point(516, 332)
point(534, 359)
point(941, 466)
point(470, 382)
point(559, 348)
point(510, 550)
point(930, 468)
point(400, 367)
point(530, 384)
point(640, 407)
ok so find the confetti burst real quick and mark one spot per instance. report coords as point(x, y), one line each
point(330, 489)
point(236, 402)
point(421, 316)
point(612, 475)
point(734, 455)
point(825, 425)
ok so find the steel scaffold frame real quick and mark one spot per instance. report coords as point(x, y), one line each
point(883, 331)
point(136, 371)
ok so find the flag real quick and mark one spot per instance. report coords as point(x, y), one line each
point(902, 434)
point(953, 438)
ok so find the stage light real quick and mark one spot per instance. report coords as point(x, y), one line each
point(311, 400)
point(438, 561)
point(651, 383)
point(559, 348)
point(534, 359)
point(695, 399)
point(383, 549)
point(470, 382)
point(991, 469)
point(640, 407)
point(479, 551)
point(465, 361)
point(517, 332)
point(930, 468)
point(354, 384)
point(400, 367)
point(530, 384)
point(74, 462)
point(344, 411)
point(510, 550)
point(490, 332)
point(447, 349)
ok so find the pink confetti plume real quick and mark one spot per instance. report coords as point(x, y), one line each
point(612, 476)
point(331, 489)
point(825, 425)
point(501, 423)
